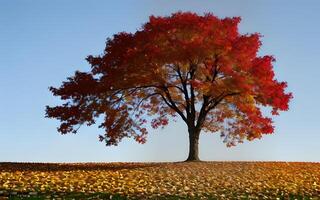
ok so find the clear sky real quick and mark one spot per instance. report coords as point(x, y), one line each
point(43, 42)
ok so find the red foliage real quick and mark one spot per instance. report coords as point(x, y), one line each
point(199, 68)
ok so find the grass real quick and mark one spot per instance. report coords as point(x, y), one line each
point(199, 180)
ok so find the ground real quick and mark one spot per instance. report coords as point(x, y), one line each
point(193, 180)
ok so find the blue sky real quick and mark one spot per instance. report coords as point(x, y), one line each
point(43, 42)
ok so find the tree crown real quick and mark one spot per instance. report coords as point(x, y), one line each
point(198, 68)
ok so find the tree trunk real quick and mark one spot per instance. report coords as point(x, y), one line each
point(193, 145)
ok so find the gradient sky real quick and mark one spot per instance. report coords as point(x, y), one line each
point(43, 42)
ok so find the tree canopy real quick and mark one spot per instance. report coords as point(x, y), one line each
point(195, 67)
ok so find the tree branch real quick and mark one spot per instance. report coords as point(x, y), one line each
point(185, 91)
point(202, 113)
point(172, 105)
point(145, 98)
point(218, 99)
point(193, 109)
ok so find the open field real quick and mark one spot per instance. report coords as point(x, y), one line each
point(198, 180)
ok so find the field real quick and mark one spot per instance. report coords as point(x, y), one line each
point(197, 180)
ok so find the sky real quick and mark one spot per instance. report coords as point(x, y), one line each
point(43, 42)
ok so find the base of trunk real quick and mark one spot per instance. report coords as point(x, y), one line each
point(192, 160)
point(193, 157)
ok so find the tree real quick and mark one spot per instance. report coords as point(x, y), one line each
point(197, 68)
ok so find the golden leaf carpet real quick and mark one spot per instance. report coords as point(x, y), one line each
point(220, 180)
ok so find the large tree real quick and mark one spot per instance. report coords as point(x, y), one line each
point(197, 68)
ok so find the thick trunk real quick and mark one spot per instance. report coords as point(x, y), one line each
point(193, 145)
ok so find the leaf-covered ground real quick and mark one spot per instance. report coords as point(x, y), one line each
point(198, 180)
